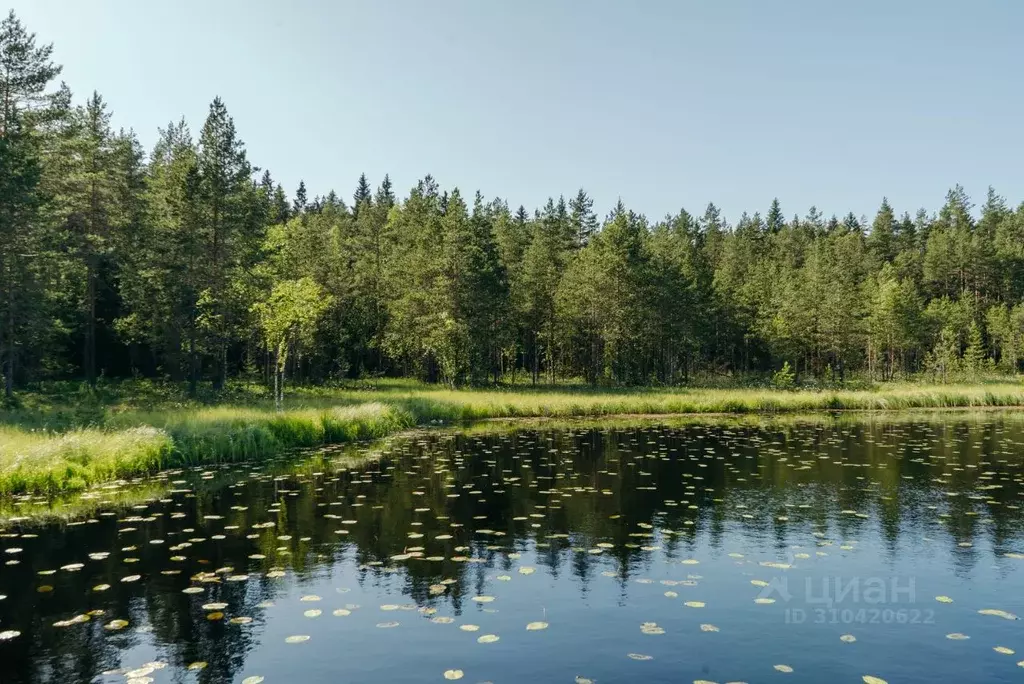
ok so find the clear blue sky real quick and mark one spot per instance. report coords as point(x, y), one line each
point(666, 103)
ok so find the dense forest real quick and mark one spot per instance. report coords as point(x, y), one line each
point(188, 262)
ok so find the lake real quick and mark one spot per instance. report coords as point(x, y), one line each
point(809, 551)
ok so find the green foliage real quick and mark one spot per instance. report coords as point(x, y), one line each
point(974, 354)
point(191, 263)
point(784, 378)
point(288, 318)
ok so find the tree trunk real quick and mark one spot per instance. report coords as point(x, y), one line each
point(11, 338)
point(278, 379)
point(220, 381)
point(536, 359)
point(193, 365)
point(89, 353)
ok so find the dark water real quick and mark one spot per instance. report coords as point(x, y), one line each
point(639, 548)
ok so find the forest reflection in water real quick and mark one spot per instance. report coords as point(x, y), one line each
point(630, 551)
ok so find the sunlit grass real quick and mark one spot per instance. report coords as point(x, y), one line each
point(46, 446)
point(47, 462)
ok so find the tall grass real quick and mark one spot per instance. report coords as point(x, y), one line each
point(41, 462)
point(117, 437)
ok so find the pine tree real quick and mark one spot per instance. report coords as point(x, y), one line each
point(163, 266)
point(224, 193)
point(582, 218)
point(19, 204)
point(25, 72)
point(543, 264)
point(91, 214)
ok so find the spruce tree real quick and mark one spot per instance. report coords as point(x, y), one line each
point(775, 219)
point(582, 218)
point(361, 196)
point(882, 238)
point(299, 204)
point(385, 194)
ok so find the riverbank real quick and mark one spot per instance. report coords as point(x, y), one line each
point(62, 441)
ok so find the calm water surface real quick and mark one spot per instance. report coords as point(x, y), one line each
point(803, 553)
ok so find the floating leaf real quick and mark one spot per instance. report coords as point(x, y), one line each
point(483, 599)
point(848, 638)
point(198, 665)
point(1004, 650)
point(957, 636)
point(869, 679)
point(639, 656)
point(387, 625)
point(694, 604)
point(783, 668)
point(312, 613)
point(708, 628)
point(651, 628)
point(470, 628)
point(296, 639)
point(487, 639)
point(9, 634)
point(535, 626)
point(998, 613)
point(453, 674)
point(341, 612)
point(255, 679)
point(943, 599)
point(764, 601)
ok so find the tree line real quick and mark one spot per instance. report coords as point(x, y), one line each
point(188, 262)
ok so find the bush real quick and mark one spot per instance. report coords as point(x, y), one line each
point(784, 378)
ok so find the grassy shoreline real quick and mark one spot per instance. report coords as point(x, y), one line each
point(56, 446)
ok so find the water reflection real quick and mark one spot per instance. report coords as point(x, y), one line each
point(441, 519)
